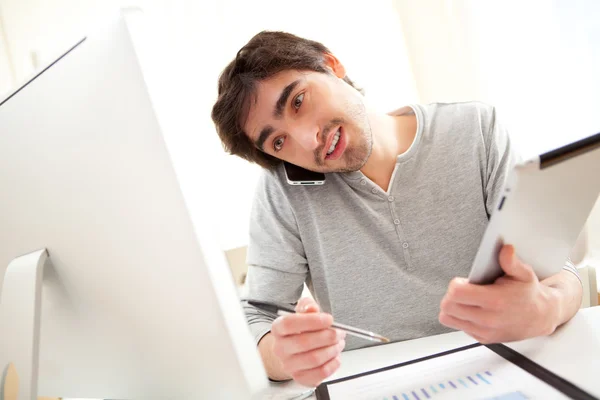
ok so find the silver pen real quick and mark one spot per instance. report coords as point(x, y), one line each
point(276, 310)
point(303, 395)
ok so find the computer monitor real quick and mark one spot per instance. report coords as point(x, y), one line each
point(137, 301)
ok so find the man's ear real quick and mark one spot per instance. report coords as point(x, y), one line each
point(335, 65)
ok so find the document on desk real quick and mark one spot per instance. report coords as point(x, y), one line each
point(471, 373)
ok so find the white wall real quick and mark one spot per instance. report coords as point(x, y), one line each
point(6, 75)
point(441, 54)
point(44, 29)
point(543, 71)
point(537, 61)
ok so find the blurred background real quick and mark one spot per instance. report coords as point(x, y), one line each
point(538, 62)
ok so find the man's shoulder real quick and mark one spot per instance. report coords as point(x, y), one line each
point(461, 109)
point(474, 117)
point(271, 180)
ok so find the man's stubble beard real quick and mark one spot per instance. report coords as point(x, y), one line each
point(354, 157)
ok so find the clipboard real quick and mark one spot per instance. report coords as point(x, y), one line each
point(462, 386)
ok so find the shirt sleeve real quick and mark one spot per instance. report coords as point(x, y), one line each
point(569, 266)
point(501, 156)
point(277, 266)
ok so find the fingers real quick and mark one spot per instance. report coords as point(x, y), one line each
point(311, 366)
point(314, 358)
point(306, 304)
point(468, 327)
point(482, 334)
point(295, 344)
point(294, 324)
point(484, 325)
point(500, 312)
point(306, 345)
point(313, 377)
point(480, 323)
point(462, 292)
point(513, 267)
point(474, 314)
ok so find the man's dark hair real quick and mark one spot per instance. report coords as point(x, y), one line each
point(265, 55)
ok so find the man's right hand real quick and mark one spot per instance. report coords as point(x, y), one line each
point(307, 349)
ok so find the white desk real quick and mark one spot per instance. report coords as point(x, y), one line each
point(572, 352)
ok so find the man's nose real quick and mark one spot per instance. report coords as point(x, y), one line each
point(308, 137)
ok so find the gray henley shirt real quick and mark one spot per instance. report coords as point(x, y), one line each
point(380, 260)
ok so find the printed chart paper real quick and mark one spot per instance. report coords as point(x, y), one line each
point(473, 374)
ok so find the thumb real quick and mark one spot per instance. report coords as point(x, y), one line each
point(307, 305)
point(513, 267)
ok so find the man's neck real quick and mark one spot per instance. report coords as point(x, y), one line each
point(392, 136)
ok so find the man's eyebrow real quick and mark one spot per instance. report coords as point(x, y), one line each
point(264, 135)
point(277, 113)
point(283, 98)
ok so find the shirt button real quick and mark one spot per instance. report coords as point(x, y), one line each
point(363, 182)
point(405, 245)
point(391, 198)
point(397, 221)
point(374, 190)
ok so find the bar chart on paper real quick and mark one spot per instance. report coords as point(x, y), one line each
point(476, 373)
point(456, 388)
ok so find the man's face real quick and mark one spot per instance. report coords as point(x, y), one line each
point(310, 119)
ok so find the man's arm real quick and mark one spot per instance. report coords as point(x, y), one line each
point(302, 346)
point(517, 305)
point(273, 365)
point(277, 266)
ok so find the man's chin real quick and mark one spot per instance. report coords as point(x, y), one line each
point(353, 167)
point(351, 161)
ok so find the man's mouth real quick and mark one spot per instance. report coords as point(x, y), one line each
point(334, 142)
point(337, 145)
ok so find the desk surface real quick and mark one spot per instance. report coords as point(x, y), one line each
point(572, 352)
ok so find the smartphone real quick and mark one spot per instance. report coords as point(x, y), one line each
point(299, 176)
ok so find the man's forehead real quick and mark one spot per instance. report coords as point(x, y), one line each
point(283, 77)
point(268, 90)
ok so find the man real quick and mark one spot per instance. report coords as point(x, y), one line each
point(380, 245)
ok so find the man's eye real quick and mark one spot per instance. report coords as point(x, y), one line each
point(278, 144)
point(298, 101)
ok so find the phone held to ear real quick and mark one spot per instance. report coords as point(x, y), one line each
point(299, 176)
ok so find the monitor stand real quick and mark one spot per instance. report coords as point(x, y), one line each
point(20, 311)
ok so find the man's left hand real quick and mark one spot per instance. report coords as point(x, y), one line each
point(515, 307)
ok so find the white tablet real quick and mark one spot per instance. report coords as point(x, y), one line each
point(542, 210)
